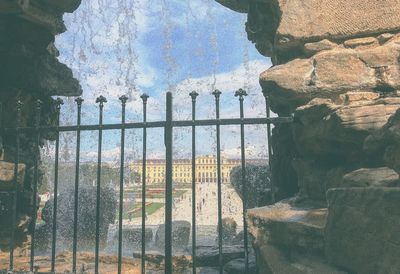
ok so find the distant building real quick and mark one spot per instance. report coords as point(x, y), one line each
point(206, 169)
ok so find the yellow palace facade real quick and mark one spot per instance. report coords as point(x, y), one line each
point(206, 169)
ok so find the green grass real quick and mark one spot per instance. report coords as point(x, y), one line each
point(176, 194)
point(150, 209)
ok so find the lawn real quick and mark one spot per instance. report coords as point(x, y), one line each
point(151, 193)
point(136, 211)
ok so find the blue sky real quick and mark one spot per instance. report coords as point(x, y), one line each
point(129, 47)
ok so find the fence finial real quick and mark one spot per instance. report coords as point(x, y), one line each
point(123, 99)
point(144, 97)
point(241, 93)
point(58, 102)
point(194, 95)
point(101, 99)
point(216, 93)
point(79, 101)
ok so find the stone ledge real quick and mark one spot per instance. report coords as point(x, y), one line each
point(294, 226)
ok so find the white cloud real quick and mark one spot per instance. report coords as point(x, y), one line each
point(244, 76)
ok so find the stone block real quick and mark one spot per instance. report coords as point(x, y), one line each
point(362, 231)
point(371, 177)
point(331, 73)
point(310, 20)
point(288, 225)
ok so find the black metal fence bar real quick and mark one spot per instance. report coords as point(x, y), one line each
point(76, 189)
point(15, 188)
point(101, 100)
point(241, 94)
point(58, 102)
point(168, 185)
point(144, 163)
point(123, 100)
point(35, 181)
point(268, 112)
point(193, 95)
point(217, 94)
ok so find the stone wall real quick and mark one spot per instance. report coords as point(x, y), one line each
point(29, 71)
point(336, 69)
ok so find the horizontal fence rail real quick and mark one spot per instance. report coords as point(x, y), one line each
point(38, 130)
point(158, 124)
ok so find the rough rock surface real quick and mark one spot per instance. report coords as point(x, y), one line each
point(86, 212)
point(330, 73)
point(362, 234)
point(257, 182)
point(229, 227)
point(289, 236)
point(311, 20)
point(133, 236)
point(180, 235)
point(209, 256)
point(315, 178)
point(336, 70)
point(372, 177)
point(384, 144)
point(298, 226)
point(29, 72)
point(237, 266)
point(286, 25)
point(323, 128)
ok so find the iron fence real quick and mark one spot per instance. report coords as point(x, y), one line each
point(168, 125)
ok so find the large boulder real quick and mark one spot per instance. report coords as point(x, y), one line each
point(25, 69)
point(311, 20)
point(86, 215)
point(229, 227)
point(180, 235)
point(132, 238)
point(289, 224)
point(258, 184)
point(289, 237)
point(371, 177)
point(326, 129)
point(330, 73)
point(237, 266)
point(209, 255)
point(362, 232)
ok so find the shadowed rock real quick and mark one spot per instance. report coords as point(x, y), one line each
point(180, 235)
point(86, 215)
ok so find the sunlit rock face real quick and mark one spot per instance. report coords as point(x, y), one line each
point(29, 70)
point(336, 69)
